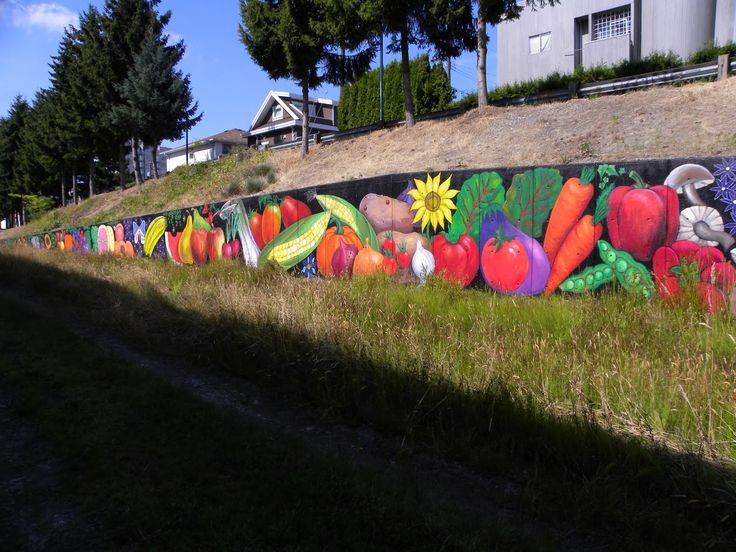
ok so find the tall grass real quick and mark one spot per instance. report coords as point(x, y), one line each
point(630, 398)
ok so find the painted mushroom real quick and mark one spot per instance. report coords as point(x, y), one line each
point(688, 179)
point(700, 223)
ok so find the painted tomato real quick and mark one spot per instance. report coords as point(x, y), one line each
point(640, 220)
point(505, 264)
point(459, 261)
point(512, 262)
point(293, 210)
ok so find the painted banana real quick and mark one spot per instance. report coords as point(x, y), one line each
point(154, 233)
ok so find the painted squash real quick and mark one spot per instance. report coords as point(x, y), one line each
point(330, 243)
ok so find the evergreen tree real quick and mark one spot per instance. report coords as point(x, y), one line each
point(127, 23)
point(430, 92)
point(302, 40)
point(11, 128)
point(158, 102)
point(445, 26)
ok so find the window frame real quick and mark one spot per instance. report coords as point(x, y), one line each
point(538, 39)
point(277, 109)
point(612, 26)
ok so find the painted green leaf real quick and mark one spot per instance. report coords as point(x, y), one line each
point(479, 195)
point(530, 199)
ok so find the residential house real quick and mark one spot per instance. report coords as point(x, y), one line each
point(585, 33)
point(145, 158)
point(279, 119)
point(205, 149)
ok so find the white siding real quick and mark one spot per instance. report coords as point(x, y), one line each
point(198, 155)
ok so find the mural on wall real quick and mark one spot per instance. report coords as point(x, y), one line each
point(517, 232)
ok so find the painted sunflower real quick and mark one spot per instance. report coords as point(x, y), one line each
point(433, 201)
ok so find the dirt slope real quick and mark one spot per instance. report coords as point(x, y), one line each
point(658, 122)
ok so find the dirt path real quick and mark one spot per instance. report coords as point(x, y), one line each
point(35, 511)
point(446, 484)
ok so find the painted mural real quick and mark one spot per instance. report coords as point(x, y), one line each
point(654, 229)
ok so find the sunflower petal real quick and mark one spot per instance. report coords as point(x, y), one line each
point(421, 188)
point(445, 185)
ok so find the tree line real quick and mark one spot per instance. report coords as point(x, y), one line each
point(430, 90)
point(114, 86)
point(334, 41)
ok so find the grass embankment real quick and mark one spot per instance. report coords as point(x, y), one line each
point(155, 468)
point(239, 173)
point(622, 412)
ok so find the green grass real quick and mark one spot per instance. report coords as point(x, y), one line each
point(620, 412)
point(228, 176)
point(161, 470)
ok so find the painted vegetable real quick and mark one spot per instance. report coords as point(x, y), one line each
point(685, 264)
point(589, 279)
point(255, 223)
point(385, 213)
point(422, 263)
point(458, 261)
point(569, 207)
point(640, 220)
point(347, 214)
point(271, 221)
point(578, 244)
point(343, 258)
point(293, 210)
point(247, 239)
point(406, 241)
point(529, 263)
point(480, 195)
point(530, 198)
point(368, 262)
point(632, 276)
point(294, 244)
point(329, 244)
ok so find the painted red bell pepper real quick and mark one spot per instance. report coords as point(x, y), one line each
point(293, 210)
point(705, 268)
point(457, 261)
point(640, 220)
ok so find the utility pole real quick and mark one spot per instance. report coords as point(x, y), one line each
point(186, 152)
point(380, 84)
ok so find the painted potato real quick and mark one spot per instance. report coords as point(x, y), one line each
point(386, 213)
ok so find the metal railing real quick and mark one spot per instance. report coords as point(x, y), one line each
point(613, 86)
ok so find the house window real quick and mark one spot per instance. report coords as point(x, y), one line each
point(191, 156)
point(540, 43)
point(612, 23)
point(277, 113)
point(297, 104)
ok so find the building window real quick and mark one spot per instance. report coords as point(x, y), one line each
point(191, 156)
point(612, 23)
point(278, 113)
point(540, 43)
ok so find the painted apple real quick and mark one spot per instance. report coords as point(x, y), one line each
point(198, 243)
point(215, 241)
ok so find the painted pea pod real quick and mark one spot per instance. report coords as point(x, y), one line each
point(589, 279)
point(631, 274)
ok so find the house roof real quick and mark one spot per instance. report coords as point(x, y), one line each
point(284, 98)
point(232, 136)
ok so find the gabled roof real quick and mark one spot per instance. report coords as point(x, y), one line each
point(232, 136)
point(284, 99)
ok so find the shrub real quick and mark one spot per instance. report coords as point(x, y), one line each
point(254, 184)
point(711, 53)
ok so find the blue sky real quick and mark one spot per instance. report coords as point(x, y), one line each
point(228, 85)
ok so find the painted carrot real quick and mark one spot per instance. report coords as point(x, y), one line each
point(578, 244)
point(569, 207)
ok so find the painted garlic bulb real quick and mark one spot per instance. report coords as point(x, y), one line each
point(422, 263)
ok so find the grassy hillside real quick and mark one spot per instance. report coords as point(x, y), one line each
point(656, 123)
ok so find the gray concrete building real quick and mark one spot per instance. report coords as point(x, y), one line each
point(592, 32)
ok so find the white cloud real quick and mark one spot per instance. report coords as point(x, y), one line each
point(48, 16)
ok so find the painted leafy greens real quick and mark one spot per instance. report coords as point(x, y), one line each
point(530, 198)
point(479, 195)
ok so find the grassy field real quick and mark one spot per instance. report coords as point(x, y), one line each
point(621, 412)
point(154, 468)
